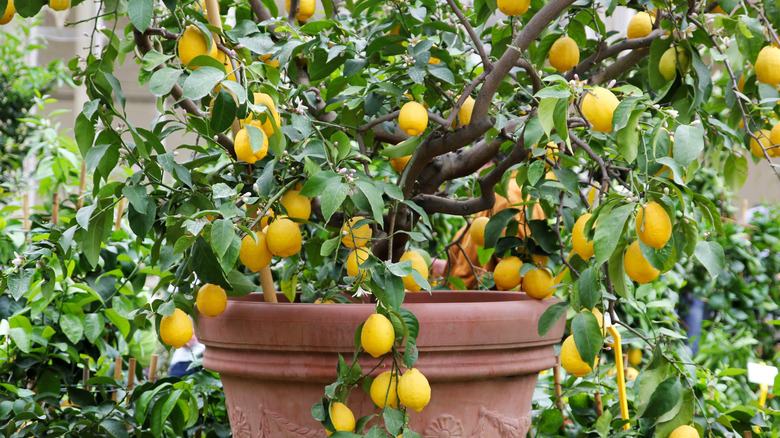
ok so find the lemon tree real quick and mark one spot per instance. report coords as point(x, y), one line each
point(295, 115)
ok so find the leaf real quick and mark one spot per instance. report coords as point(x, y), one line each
point(609, 229)
point(373, 195)
point(688, 144)
point(550, 421)
point(21, 332)
point(497, 224)
point(683, 416)
point(19, 282)
point(710, 254)
point(546, 113)
point(589, 288)
point(735, 171)
point(394, 420)
point(137, 196)
point(72, 327)
point(200, 82)
point(140, 12)
point(628, 137)
point(587, 336)
point(333, 199)
point(664, 398)
point(93, 326)
point(114, 428)
point(617, 274)
point(223, 113)
point(222, 232)
point(84, 132)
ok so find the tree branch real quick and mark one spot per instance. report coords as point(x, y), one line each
point(600, 55)
point(474, 38)
point(529, 70)
point(259, 9)
point(385, 118)
point(293, 12)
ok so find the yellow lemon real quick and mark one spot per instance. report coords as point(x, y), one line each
point(355, 237)
point(581, 245)
point(564, 54)
point(653, 225)
point(283, 238)
point(631, 373)
point(598, 105)
point(635, 356)
point(774, 138)
point(211, 300)
point(383, 388)
point(413, 119)
point(599, 318)
point(356, 258)
point(477, 231)
point(670, 64)
point(268, 101)
point(513, 7)
point(399, 163)
point(243, 147)
point(377, 336)
point(540, 259)
point(718, 10)
point(255, 255)
point(764, 136)
point(464, 113)
point(340, 415)
point(741, 85)
point(305, 9)
point(414, 391)
point(8, 15)
point(571, 360)
point(59, 5)
point(267, 59)
point(640, 25)
point(176, 329)
point(637, 266)
point(684, 432)
point(433, 60)
point(419, 265)
point(297, 206)
point(538, 283)
point(506, 274)
point(192, 44)
point(768, 66)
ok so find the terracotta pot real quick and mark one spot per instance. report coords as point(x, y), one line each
point(480, 351)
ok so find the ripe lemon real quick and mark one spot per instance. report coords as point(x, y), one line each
point(538, 283)
point(718, 10)
point(599, 318)
point(507, 273)
point(413, 119)
point(669, 65)
point(513, 7)
point(355, 236)
point(255, 255)
point(631, 373)
point(741, 85)
point(581, 245)
point(192, 44)
point(477, 231)
point(340, 415)
point(211, 300)
point(640, 25)
point(377, 336)
point(539, 259)
point(598, 105)
point(564, 54)
point(684, 432)
point(297, 206)
point(400, 163)
point(419, 265)
point(272, 62)
point(59, 5)
point(765, 137)
point(774, 138)
point(268, 101)
point(8, 15)
point(384, 388)
point(637, 266)
point(571, 360)
point(768, 66)
point(635, 356)
point(653, 225)
point(356, 258)
point(243, 146)
point(176, 329)
point(305, 9)
point(464, 113)
point(433, 60)
point(414, 392)
point(283, 238)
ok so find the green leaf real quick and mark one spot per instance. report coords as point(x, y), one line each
point(222, 232)
point(402, 149)
point(115, 428)
point(84, 132)
point(320, 182)
point(550, 421)
point(93, 326)
point(333, 198)
point(587, 336)
point(140, 12)
point(546, 113)
point(628, 137)
point(162, 409)
point(21, 332)
point(394, 420)
point(137, 196)
point(603, 423)
point(29, 8)
point(688, 144)
point(201, 82)
point(121, 323)
point(19, 282)
point(684, 416)
point(72, 327)
point(609, 230)
point(551, 316)
point(589, 288)
point(374, 196)
point(710, 254)
point(224, 112)
point(617, 273)
point(735, 171)
point(497, 224)
point(664, 398)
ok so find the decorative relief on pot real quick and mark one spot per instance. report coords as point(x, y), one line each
point(238, 422)
point(267, 416)
point(445, 426)
point(506, 426)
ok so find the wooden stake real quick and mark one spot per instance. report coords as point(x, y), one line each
point(267, 281)
point(82, 185)
point(117, 375)
point(153, 368)
point(599, 405)
point(130, 374)
point(557, 380)
point(55, 208)
point(748, 434)
point(85, 375)
point(119, 211)
point(625, 363)
point(743, 212)
point(26, 211)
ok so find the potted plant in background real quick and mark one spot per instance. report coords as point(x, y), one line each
point(327, 150)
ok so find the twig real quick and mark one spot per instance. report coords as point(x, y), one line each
point(474, 38)
point(385, 118)
point(536, 83)
point(293, 12)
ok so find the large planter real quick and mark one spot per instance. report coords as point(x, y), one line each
point(480, 351)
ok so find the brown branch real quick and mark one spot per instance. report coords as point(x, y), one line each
point(621, 65)
point(529, 70)
point(608, 52)
point(165, 33)
point(474, 38)
point(595, 157)
point(293, 12)
point(259, 10)
point(385, 118)
point(383, 136)
point(303, 79)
